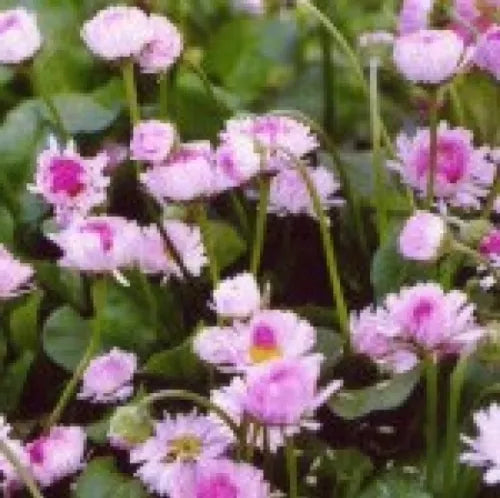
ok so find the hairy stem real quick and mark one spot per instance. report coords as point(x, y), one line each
point(260, 227)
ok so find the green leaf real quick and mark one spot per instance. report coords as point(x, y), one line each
point(6, 227)
point(81, 113)
point(388, 394)
point(179, 363)
point(65, 337)
point(330, 344)
point(229, 245)
point(97, 432)
point(396, 484)
point(13, 380)
point(24, 323)
point(101, 479)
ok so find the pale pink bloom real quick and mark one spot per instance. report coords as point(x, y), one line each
point(255, 7)
point(168, 460)
point(463, 173)
point(285, 392)
point(289, 193)
point(272, 335)
point(15, 277)
point(415, 15)
point(237, 161)
point(375, 335)
point(433, 321)
point(188, 174)
point(57, 455)
point(218, 346)
point(117, 32)
point(422, 237)
point(279, 136)
point(429, 56)
point(98, 244)
point(152, 141)
point(484, 449)
point(223, 478)
point(163, 48)
point(237, 297)
point(74, 185)
point(490, 247)
point(231, 399)
point(108, 378)
point(154, 256)
point(10, 480)
point(20, 38)
point(487, 54)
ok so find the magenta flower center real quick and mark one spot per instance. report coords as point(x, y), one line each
point(66, 176)
point(7, 23)
point(264, 344)
point(104, 231)
point(422, 312)
point(451, 162)
point(218, 486)
point(36, 451)
point(491, 244)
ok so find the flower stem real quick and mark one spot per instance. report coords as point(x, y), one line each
point(378, 165)
point(431, 376)
point(181, 395)
point(326, 48)
point(456, 385)
point(260, 227)
point(330, 256)
point(291, 464)
point(433, 134)
point(99, 297)
point(131, 91)
point(23, 472)
point(208, 241)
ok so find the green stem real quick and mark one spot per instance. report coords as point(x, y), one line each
point(330, 256)
point(351, 56)
point(23, 472)
point(433, 134)
point(456, 386)
point(328, 88)
point(99, 297)
point(492, 197)
point(181, 395)
point(131, 91)
point(208, 241)
point(240, 212)
point(291, 464)
point(61, 129)
point(261, 222)
point(456, 102)
point(431, 376)
point(377, 150)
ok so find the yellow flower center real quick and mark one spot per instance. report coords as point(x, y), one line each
point(185, 448)
point(261, 354)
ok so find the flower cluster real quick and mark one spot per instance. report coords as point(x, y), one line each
point(418, 322)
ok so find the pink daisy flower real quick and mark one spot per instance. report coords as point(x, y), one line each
point(98, 244)
point(484, 449)
point(57, 455)
point(108, 378)
point(71, 183)
point(487, 54)
point(169, 459)
point(117, 32)
point(163, 48)
point(223, 478)
point(152, 141)
point(279, 136)
point(464, 173)
point(428, 56)
point(15, 277)
point(422, 237)
point(289, 193)
point(153, 256)
point(237, 297)
point(414, 15)
point(285, 392)
point(188, 174)
point(20, 38)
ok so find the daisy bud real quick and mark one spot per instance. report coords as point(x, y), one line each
point(414, 15)
point(428, 56)
point(422, 237)
point(474, 231)
point(152, 141)
point(129, 426)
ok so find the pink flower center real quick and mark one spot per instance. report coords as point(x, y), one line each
point(104, 231)
point(491, 244)
point(265, 346)
point(36, 451)
point(7, 23)
point(219, 486)
point(422, 311)
point(66, 176)
point(451, 161)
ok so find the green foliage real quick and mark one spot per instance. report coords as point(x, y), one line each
point(24, 323)
point(13, 380)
